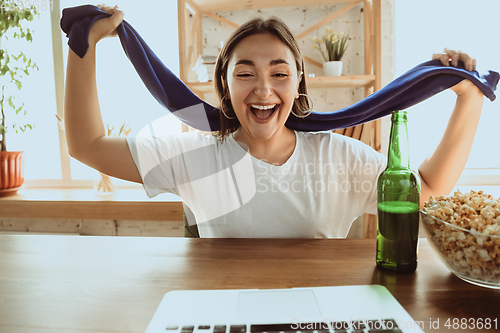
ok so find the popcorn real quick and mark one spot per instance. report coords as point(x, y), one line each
point(472, 249)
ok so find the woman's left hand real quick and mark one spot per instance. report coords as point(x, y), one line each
point(452, 57)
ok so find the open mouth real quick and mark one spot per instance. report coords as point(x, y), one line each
point(263, 112)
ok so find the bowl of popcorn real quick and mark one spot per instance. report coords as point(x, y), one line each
point(464, 231)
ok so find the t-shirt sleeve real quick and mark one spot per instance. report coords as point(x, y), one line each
point(170, 163)
point(152, 156)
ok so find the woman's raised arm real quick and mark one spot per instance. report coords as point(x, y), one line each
point(85, 133)
point(441, 170)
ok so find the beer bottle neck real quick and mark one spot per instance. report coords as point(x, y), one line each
point(398, 155)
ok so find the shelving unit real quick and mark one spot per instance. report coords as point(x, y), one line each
point(190, 13)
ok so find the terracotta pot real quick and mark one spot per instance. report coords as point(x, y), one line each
point(11, 171)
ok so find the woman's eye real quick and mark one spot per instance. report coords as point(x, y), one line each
point(281, 75)
point(244, 75)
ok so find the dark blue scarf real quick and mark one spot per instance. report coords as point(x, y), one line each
point(416, 85)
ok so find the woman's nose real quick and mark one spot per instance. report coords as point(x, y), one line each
point(263, 89)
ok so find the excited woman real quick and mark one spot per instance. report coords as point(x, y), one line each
point(256, 177)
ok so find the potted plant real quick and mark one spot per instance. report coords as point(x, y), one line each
point(13, 68)
point(334, 48)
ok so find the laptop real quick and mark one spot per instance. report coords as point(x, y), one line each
point(359, 309)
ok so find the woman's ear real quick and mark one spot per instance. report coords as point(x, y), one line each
point(225, 88)
point(301, 75)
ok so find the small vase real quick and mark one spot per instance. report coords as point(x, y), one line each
point(104, 186)
point(332, 68)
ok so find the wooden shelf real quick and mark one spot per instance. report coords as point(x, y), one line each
point(227, 5)
point(345, 81)
point(201, 87)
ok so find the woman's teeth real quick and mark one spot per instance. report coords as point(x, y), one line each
point(263, 111)
point(263, 107)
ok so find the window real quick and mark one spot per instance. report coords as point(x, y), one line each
point(427, 28)
point(122, 95)
point(419, 31)
point(38, 94)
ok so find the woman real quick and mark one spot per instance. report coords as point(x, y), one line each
point(256, 177)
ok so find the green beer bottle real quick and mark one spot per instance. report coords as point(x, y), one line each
point(398, 204)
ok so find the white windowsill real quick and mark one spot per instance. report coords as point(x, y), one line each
point(78, 203)
point(480, 177)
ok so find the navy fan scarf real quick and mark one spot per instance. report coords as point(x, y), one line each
point(416, 85)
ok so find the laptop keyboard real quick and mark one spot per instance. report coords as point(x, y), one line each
point(358, 326)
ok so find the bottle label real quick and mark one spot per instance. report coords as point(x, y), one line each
point(398, 207)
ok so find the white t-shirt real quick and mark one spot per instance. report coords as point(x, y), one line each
point(328, 181)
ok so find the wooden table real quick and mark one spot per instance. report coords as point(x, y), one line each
point(114, 284)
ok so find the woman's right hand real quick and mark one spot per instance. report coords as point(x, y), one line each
point(106, 27)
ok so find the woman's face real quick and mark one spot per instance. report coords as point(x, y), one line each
point(263, 83)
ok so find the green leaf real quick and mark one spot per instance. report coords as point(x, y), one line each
point(12, 74)
point(19, 109)
point(11, 104)
point(11, 68)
